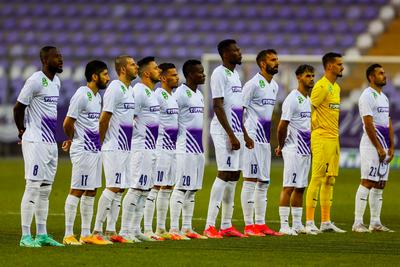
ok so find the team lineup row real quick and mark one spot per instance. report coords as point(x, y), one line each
point(149, 141)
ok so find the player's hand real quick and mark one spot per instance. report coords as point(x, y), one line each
point(381, 154)
point(390, 155)
point(278, 151)
point(21, 133)
point(249, 142)
point(235, 143)
point(66, 145)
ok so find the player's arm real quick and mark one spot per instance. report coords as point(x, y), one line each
point(104, 121)
point(69, 129)
point(247, 139)
point(281, 134)
point(218, 105)
point(371, 132)
point(19, 115)
point(391, 138)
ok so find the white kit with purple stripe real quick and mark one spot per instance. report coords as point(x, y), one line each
point(297, 110)
point(227, 85)
point(371, 103)
point(147, 112)
point(190, 118)
point(119, 100)
point(168, 129)
point(259, 100)
point(40, 94)
point(85, 107)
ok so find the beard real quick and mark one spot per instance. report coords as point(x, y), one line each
point(101, 85)
point(271, 71)
point(56, 69)
point(381, 84)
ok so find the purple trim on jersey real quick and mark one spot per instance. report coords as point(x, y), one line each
point(91, 140)
point(304, 143)
point(151, 136)
point(49, 129)
point(125, 137)
point(194, 141)
point(237, 116)
point(263, 131)
point(382, 133)
point(169, 139)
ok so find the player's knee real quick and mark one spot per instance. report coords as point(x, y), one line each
point(331, 180)
point(262, 185)
point(45, 190)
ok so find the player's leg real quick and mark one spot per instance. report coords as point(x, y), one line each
point(70, 208)
point(150, 207)
point(284, 210)
point(296, 203)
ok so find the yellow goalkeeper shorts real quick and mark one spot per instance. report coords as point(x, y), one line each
point(325, 156)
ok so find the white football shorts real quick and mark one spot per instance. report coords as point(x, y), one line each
point(86, 170)
point(371, 168)
point(116, 168)
point(189, 171)
point(228, 159)
point(257, 162)
point(165, 169)
point(142, 169)
point(295, 170)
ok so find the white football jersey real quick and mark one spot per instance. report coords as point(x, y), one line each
point(297, 110)
point(190, 120)
point(118, 100)
point(227, 85)
point(168, 129)
point(259, 97)
point(85, 108)
point(376, 105)
point(147, 113)
point(40, 95)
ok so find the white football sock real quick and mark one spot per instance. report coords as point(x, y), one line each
point(260, 202)
point(217, 191)
point(42, 209)
point(103, 208)
point(284, 216)
point(138, 214)
point(28, 203)
point(71, 205)
point(247, 199)
point(228, 203)
point(162, 207)
point(375, 205)
point(176, 203)
point(361, 203)
point(297, 213)
point(188, 210)
point(128, 210)
point(112, 216)
point(149, 209)
point(87, 204)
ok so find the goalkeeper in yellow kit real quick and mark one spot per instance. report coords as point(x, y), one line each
point(325, 100)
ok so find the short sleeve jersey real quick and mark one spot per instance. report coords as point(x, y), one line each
point(147, 112)
point(226, 84)
point(190, 120)
point(259, 97)
point(325, 100)
point(168, 129)
point(296, 109)
point(85, 108)
point(118, 100)
point(40, 95)
point(372, 103)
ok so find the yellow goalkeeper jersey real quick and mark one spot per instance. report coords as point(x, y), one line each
point(325, 100)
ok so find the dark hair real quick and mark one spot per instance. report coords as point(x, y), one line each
point(304, 68)
point(261, 55)
point(165, 67)
point(120, 62)
point(329, 58)
point(188, 66)
point(224, 44)
point(44, 51)
point(144, 62)
point(94, 67)
point(371, 69)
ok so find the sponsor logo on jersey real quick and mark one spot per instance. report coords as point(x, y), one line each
point(172, 111)
point(165, 95)
point(89, 95)
point(93, 115)
point(261, 83)
point(305, 114)
point(334, 106)
point(196, 109)
point(236, 89)
point(45, 83)
point(383, 109)
point(154, 108)
point(267, 101)
point(129, 105)
point(50, 99)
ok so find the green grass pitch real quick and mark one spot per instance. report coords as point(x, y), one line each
point(326, 249)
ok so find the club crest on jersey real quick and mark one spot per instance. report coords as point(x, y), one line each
point(300, 99)
point(45, 83)
point(165, 95)
point(189, 94)
point(261, 83)
point(89, 95)
point(375, 94)
point(330, 89)
point(147, 91)
point(123, 89)
point(228, 73)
